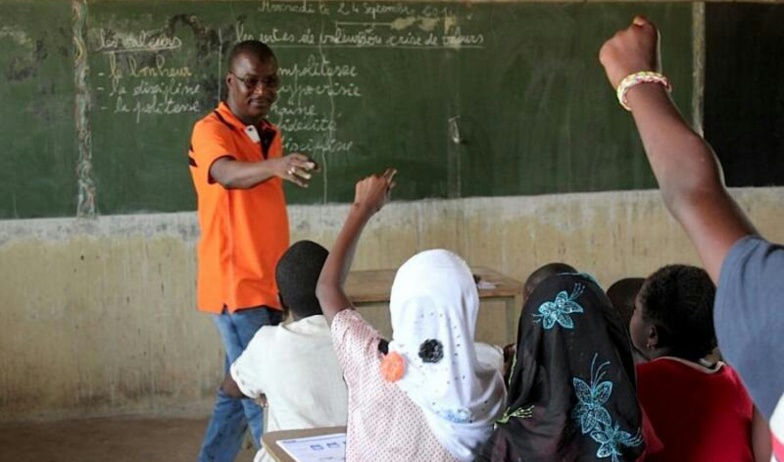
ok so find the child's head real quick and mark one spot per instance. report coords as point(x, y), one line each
point(623, 295)
point(434, 296)
point(573, 378)
point(296, 274)
point(433, 308)
point(542, 273)
point(673, 314)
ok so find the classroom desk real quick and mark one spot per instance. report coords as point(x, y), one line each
point(270, 440)
point(373, 287)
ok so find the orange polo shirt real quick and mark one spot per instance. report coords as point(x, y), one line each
point(244, 232)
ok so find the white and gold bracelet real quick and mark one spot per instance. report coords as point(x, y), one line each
point(637, 78)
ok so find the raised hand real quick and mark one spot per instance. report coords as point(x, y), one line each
point(373, 192)
point(631, 50)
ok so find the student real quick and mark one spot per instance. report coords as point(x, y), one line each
point(701, 411)
point(623, 294)
point(542, 273)
point(293, 366)
point(746, 268)
point(533, 280)
point(424, 396)
point(572, 393)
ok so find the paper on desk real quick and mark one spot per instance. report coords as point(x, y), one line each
point(482, 284)
point(321, 448)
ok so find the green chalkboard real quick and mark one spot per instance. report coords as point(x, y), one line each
point(38, 159)
point(744, 99)
point(464, 99)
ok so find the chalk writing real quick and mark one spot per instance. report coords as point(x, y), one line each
point(294, 93)
point(147, 79)
point(159, 69)
point(314, 123)
point(317, 87)
point(145, 84)
point(318, 146)
point(364, 25)
point(146, 40)
point(154, 106)
point(318, 67)
point(289, 7)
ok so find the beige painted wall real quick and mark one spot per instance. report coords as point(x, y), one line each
point(98, 317)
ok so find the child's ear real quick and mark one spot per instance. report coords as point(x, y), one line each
point(283, 306)
point(653, 337)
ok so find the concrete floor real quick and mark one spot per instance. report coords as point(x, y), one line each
point(116, 439)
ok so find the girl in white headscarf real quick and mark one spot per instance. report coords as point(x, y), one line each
point(426, 395)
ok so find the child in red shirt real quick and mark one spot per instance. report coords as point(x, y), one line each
point(701, 411)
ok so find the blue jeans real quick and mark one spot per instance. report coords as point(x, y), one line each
point(231, 417)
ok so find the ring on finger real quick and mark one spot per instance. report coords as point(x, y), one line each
point(292, 170)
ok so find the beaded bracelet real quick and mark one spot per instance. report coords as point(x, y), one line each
point(637, 78)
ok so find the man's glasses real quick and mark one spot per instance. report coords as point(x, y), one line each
point(253, 82)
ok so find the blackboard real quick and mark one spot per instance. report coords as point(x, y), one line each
point(744, 96)
point(38, 160)
point(464, 99)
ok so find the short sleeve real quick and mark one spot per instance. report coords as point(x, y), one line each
point(249, 369)
point(209, 142)
point(749, 317)
point(354, 341)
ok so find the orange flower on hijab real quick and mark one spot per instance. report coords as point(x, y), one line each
point(393, 367)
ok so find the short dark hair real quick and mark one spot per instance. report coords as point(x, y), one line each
point(297, 273)
point(678, 300)
point(250, 47)
point(544, 272)
point(622, 293)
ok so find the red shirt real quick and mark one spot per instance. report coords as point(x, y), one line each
point(700, 414)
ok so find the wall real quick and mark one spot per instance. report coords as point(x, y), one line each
point(98, 317)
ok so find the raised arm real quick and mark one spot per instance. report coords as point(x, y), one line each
point(687, 170)
point(370, 196)
point(236, 174)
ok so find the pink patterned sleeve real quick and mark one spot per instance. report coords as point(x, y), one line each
point(355, 342)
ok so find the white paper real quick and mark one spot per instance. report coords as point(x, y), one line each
point(323, 448)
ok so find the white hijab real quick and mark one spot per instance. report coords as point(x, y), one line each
point(434, 297)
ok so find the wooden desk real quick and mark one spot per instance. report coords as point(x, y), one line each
point(374, 286)
point(270, 440)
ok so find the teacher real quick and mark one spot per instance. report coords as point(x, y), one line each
point(238, 167)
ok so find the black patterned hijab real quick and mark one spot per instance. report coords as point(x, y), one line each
point(572, 391)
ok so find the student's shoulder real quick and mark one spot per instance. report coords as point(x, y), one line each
point(263, 336)
point(749, 283)
point(649, 372)
point(666, 368)
point(730, 374)
point(751, 255)
point(347, 319)
point(351, 331)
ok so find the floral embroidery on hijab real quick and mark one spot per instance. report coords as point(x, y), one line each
point(559, 309)
point(592, 416)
